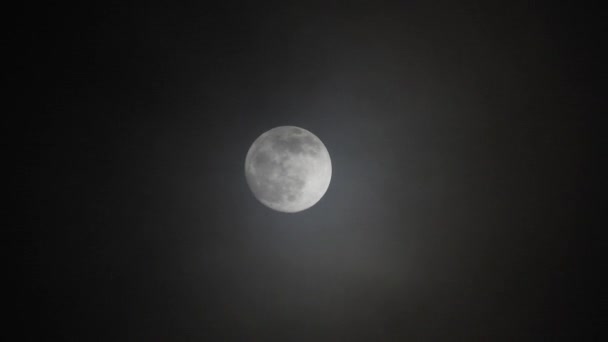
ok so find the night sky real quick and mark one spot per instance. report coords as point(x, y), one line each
point(462, 189)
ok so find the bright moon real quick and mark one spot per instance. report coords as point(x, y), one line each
point(288, 169)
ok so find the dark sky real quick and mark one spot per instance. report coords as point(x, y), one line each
point(462, 151)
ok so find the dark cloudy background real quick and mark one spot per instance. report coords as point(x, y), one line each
point(461, 143)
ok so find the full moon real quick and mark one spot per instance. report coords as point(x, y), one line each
point(288, 169)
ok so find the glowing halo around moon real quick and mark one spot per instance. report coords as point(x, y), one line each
point(288, 169)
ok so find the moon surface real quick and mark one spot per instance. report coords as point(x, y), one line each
point(288, 169)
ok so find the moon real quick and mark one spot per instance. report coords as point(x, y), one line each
point(288, 169)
